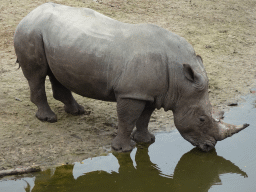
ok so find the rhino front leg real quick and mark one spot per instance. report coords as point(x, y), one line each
point(141, 134)
point(128, 112)
point(64, 95)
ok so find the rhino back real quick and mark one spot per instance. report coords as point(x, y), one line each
point(98, 57)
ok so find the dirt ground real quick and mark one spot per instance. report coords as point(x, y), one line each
point(222, 32)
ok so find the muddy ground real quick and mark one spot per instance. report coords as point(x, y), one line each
point(222, 32)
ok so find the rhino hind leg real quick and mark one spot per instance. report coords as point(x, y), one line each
point(128, 112)
point(30, 53)
point(36, 75)
point(64, 95)
point(38, 97)
point(141, 134)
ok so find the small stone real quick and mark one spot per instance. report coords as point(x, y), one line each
point(17, 99)
point(232, 104)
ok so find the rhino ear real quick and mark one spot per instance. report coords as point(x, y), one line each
point(189, 72)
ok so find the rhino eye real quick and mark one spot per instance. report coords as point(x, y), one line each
point(201, 119)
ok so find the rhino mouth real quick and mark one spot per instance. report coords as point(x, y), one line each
point(206, 147)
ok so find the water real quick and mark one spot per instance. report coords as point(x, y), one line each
point(170, 164)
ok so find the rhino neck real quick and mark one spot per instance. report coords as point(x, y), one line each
point(170, 101)
point(172, 95)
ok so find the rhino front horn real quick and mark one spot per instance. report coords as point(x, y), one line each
point(227, 130)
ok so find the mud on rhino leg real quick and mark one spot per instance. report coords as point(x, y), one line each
point(128, 112)
point(141, 134)
point(64, 95)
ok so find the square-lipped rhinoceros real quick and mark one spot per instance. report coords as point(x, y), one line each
point(140, 66)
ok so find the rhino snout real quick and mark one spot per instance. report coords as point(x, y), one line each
point(206, 147)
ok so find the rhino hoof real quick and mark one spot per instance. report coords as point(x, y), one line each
point(142, 137)
point(49, 117)
point(120, 146)
point(75, 109)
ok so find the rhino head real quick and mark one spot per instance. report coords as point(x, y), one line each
point(193, 111)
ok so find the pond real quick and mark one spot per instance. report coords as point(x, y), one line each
point(170, 164)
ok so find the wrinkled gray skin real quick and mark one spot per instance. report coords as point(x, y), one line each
point(141, 67)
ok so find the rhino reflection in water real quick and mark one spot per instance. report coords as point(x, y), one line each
point(195, 171)
point(142, 67)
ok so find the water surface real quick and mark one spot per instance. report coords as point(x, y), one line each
point(170, 164)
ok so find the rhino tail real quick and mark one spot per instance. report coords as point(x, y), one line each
point(17, 61)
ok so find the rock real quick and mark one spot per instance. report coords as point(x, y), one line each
point(17, 99)
point(232, 104)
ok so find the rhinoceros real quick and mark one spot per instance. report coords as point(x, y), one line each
point(142, 67)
